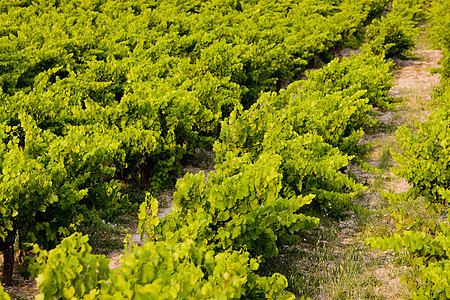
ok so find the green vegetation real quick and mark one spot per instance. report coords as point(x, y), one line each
point(103, 96)
point(95, 93)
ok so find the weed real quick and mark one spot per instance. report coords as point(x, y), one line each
point(386, 156)
point(378, 183)
point(325, 271)
point(105, 238)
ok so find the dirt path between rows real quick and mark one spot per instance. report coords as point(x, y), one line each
point(381, 271)
point(414, 83)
